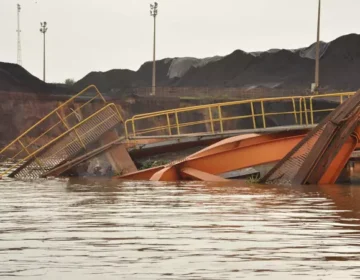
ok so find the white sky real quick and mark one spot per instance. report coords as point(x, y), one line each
point(99, 35)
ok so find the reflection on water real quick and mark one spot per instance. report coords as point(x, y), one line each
point(136, 230)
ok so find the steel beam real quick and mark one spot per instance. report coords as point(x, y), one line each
point(233, 159)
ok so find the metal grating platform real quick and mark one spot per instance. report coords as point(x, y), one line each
point(64, 133)
point(69, 145)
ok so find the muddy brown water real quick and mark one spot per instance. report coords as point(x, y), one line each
point(106, 229)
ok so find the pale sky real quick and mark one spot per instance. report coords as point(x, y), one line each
point(99, 35)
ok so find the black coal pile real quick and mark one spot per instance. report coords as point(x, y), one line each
point(120, 80)
point(219, 73)
point(113, 80)
point(14, 78)
point(287, 69)
point(340, 66)
point(239, 69)
point(144, 74)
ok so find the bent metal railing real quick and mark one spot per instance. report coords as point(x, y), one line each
point(235, 115)
point(60, 135)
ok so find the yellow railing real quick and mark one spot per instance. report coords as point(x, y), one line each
point(65, 119)
point(339, 97)
point(66, 145)
point(217, 118)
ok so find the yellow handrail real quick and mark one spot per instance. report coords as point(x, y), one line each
point(54, 112)
point(239, 102)
point(42, 148)
point(55, 125)
point(301, 100)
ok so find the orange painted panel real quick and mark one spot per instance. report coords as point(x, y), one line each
point(234, 159)
point(200, 175)
point(339, 162)
point(168, 174)
point(140, 175)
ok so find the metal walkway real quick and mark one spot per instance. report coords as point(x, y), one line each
point(63, 134)
point(252, 114)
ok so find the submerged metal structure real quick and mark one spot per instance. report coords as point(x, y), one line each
point(83, 128)
point(317, 157)
point(321, 156)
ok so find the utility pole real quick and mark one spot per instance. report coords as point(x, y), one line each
point(19, 60)
point(317, 63)
point(153, 13)
point(43, 30)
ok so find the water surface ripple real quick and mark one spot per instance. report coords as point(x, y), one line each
point(86, 229)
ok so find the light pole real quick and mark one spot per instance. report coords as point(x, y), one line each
point(43, 30)
point(19, 61)
point(153, 13)
point(317, 62)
